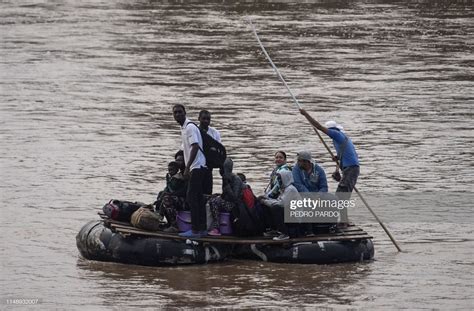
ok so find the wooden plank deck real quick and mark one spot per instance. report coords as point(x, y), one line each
point(350, 233)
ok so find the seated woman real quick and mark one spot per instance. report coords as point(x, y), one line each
point(231, 196)
point(272, 189)
point(172, 198)
point(276, 207)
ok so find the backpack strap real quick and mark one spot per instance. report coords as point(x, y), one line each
point(199, 129)
point(213, 151)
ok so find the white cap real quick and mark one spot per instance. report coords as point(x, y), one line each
point(334, 124)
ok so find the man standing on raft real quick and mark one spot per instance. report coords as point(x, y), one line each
point(195, 170)
point(346, 154)
point(204, 124)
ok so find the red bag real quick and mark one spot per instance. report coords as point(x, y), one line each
point(248, 197)
point(111, 210)
point(121, 210)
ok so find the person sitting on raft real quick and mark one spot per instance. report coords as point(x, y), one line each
point(243, 178)
point(179, 158)
point(248, 197)
point(309, 176)
point(172, 198)
point(273, 189)
point(232, 187)
point(247, 193)
point(287, 193)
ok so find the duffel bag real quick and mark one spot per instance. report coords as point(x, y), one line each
point(146, 219)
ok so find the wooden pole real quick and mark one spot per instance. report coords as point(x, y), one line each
point(319, 135)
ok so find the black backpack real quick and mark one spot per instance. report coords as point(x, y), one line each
point(246, 221)
point(213, 150)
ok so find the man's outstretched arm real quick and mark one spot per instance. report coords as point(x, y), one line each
point(313, 122)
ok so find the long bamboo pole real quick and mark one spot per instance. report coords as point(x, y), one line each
point(319, 135)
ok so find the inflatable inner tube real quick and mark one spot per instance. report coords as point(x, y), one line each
point(97, 242)
point(323, 252)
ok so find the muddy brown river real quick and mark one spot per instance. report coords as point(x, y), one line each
point(86, 90)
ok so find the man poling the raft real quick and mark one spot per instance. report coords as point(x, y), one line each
point(346, 154)
point(354, 172)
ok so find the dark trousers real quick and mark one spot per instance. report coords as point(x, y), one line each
point(274, 218)
point(348, 182)
point(277, 214)
point(208, 182)
point(195, 198)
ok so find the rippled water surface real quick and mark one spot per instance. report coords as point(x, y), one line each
point(86, 90)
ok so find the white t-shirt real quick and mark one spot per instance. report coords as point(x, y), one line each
point(211, 131)
point(190, 134)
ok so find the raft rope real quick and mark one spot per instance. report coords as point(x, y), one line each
point(258, 252)
point(87, 238)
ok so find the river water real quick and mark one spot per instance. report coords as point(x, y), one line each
point(86, 90)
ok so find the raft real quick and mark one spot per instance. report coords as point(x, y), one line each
point(109, 240)
point(96, 241)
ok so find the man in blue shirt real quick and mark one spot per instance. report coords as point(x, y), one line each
point(346, 153)
point(307, 175)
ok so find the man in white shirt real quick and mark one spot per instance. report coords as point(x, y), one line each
point(195, 170)
point(204, 123)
